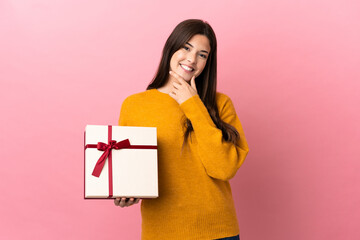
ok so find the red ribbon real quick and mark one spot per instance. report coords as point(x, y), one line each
point(107, 148)
point(107, 153)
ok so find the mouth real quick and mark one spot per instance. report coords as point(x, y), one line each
point(187, 68)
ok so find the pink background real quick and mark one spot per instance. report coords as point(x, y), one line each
point(290, 67)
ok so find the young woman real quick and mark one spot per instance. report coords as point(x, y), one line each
point(201, 143)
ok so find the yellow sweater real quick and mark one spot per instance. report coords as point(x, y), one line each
point(195, 200)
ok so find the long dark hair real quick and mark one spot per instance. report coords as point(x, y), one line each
point(205, 82)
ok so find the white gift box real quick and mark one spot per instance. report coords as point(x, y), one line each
point(134, 169)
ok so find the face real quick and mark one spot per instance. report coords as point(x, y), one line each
point(191, 58)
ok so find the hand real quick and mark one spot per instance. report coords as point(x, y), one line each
point(181, 90)
point(126, 202)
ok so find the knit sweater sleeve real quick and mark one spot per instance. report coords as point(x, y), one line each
point(221, 159)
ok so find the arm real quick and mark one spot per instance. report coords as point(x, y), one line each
point(220, 159)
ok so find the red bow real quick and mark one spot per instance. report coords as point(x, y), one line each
point(107, 151)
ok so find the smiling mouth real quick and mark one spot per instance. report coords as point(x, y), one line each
point(186, 68)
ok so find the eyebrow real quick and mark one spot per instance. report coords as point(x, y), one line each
point(200, 51)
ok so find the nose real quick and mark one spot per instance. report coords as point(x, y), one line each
point(191, 57)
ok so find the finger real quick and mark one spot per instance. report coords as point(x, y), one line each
point(137, 201)
point(173, 94)
point(177, 76)
point(192, 82)
point(176, 85)
point(130, 202)
point(122, 202)
point(117, 201)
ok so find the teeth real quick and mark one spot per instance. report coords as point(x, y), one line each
point(186, 67)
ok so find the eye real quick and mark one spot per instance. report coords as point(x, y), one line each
point(203, 56)
point(186, 48)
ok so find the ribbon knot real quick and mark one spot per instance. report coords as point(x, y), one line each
point(112, 144)
point(107, 152)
